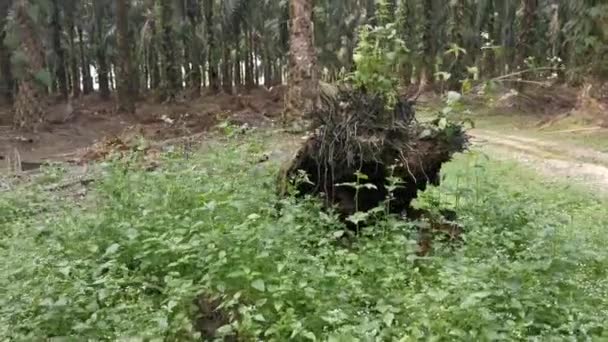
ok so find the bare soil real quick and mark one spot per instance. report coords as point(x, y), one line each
point(74, 127)
point(582, 166)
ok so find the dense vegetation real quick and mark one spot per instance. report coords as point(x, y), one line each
point(169, 244)
point(170, 46)
point(131, 260)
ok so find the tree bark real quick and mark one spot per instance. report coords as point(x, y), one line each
point(73, 55)
point(227, 70)
point(6, 76)
point(171, 84)
point(267, 70)
point(124, 77)
point(29, 113)
point(194, 16)
point(87, 81)
point(429, 51)
point(249, 72)
point(254, 57)
point(526, 34)
point(237, 56)
point(456, 59)
point(303, 83)
point(59, 65)
point(212, 60)
point(102, 62)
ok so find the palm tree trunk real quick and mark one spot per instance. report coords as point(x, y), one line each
point(153, 64)
point(73, 56)
point(238, 78)
point(6, 77)
point(60, 72)
point(237, 56)
point(194, 16)
point(227, 69)
point(526, 34)
point(29, 113)
point(267, 62)
point(171, 84)
point(212, 60)
point(428, 51)
point(455, 59)
point(303, 83)
point(254, 58)
point(249, 61)
point(154, 68)
point(101, 55)
point(87, 81)
point(124, 77)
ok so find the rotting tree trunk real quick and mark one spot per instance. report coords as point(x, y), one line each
point(125, 68)
point(6, 75)
point(303, 81)
point(29, 112)
point(59, 51)
point(359, 136)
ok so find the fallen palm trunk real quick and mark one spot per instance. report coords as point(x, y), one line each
point(365, 153)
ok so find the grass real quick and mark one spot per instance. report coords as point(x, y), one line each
point(128, 263)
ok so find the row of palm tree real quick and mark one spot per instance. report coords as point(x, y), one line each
point(171, 47)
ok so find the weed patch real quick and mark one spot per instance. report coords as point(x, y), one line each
point(134, 262)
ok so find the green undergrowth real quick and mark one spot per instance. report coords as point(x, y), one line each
point(129, 263)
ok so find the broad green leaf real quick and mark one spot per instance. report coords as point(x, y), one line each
point(259, 285)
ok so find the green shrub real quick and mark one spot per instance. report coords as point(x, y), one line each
point(131, 263)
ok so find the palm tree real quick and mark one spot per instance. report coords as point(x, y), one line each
point(212, 53)
point(70, 12)
point(6, 75)
point(526, 33)
point(125, 67)
point(100, 9)
point(58, 50)
point(172, 81)
point(193, 12)
point(29, 113)
point(303, 82)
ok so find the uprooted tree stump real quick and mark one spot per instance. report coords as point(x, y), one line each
point(361, 146)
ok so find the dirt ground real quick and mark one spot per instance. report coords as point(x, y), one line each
point(79, 131)
point(583, 166)
point(74, 128)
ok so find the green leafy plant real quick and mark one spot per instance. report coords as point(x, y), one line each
point(378, 55)
point(130, 260)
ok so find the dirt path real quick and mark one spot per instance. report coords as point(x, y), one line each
point(579, 165)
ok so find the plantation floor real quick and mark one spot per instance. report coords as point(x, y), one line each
point(127, 259)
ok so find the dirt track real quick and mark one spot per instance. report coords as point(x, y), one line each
point(582, 166)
